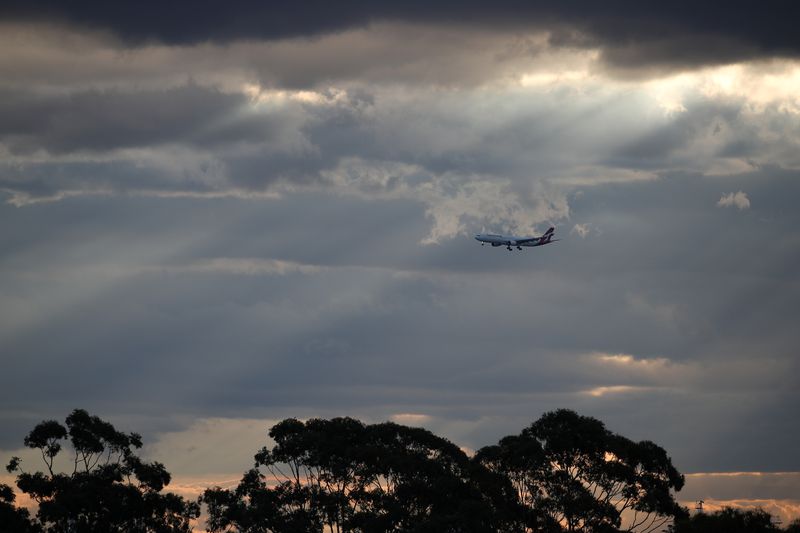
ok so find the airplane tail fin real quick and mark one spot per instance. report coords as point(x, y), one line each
point(548, 235)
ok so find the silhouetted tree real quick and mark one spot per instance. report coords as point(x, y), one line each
point(108, 489)
point(570, 472)
point(794, 526)
point(13, 519)
point(341, 475)
point(522, 461)
point(728, 520)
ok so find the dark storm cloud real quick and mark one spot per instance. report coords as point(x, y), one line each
point(187, 139)
point(100, 121)
point(631, 34)
point(240, 175)
point(437, 149)
point(47, 180)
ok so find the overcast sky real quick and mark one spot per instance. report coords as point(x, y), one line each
point(213, 219)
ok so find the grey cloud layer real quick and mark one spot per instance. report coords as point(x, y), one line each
point(447, 150)
point(632, 34)
point(449, 331)
point(98, 121)
point(249, 228)
point(59, 57)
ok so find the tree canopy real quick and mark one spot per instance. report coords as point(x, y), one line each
point(564, 472)
point(729, 520)
point(570, 472)
point(342, 475)
point(108, 487)
point(13, 519)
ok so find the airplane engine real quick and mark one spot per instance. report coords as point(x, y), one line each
point(496, 244)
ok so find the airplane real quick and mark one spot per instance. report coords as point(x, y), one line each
point(509, 240)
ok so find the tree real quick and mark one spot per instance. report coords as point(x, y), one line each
point(794, 526)
point(728, 520)
point(13, 519)
point(521, 460)
point(341, 475)
point(570, 472)
point(109, 488)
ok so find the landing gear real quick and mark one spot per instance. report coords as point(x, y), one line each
point(519, 248)
point(509, 248)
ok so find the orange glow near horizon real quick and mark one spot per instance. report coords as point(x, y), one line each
point(786, 509)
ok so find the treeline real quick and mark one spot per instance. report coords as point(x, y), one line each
point(565, 472)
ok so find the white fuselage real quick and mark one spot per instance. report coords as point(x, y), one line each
point(506, 240)
point(511, 240)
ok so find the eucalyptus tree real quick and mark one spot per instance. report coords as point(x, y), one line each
point(729, 520)
point(341, 475)
point(794, 526)
point(14, 519)
point(106, 487)
point(571, 473)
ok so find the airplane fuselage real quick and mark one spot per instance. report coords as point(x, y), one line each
point(511, 240)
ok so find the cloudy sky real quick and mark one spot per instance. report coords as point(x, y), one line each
point(214, 218)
